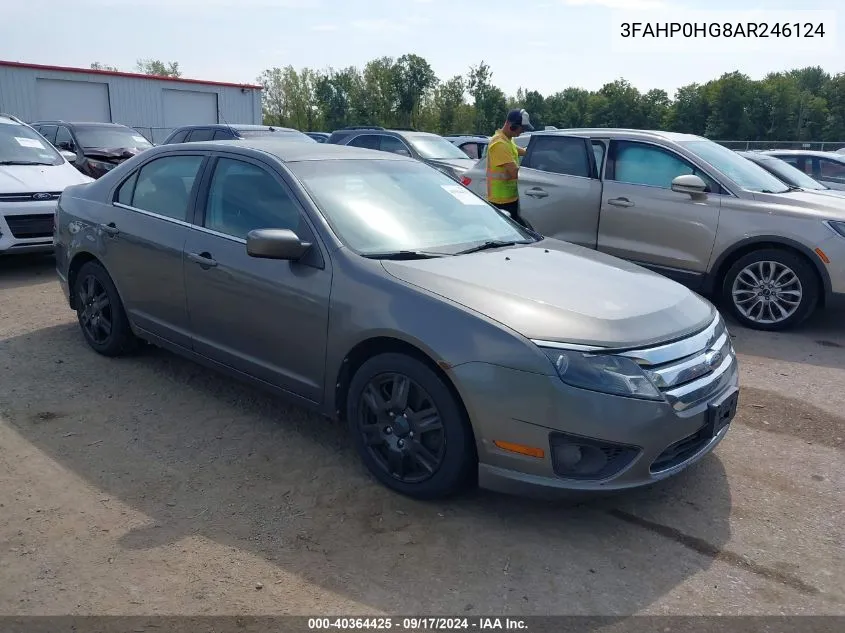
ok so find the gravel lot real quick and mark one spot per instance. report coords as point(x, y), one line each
point(149, 485)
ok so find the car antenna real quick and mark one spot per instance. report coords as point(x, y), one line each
point(220, 114)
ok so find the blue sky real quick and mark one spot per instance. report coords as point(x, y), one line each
point(546, 45)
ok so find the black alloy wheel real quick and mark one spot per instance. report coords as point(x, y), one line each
point(409, 427)
point(95, 316)
point(402, 427)
point(100, 312)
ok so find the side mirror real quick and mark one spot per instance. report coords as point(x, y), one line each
point(690, 184)
point(68, 156)
point(275, 244)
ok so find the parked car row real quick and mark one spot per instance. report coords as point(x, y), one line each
point(33, 174)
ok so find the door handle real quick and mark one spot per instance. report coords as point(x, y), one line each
point(203, 259)
point(110, 229)
point(620, 202)
point(536, 192)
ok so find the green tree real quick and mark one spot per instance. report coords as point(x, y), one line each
point(273, 104)
point(100, 66)
point(158, 68)
point(654, 107)
point(335, 93)
point(489, 101)
point(448, 103)
point(412, 76)
point(379, 97)
point(690, 110)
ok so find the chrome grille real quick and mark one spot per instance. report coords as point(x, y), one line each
point(689, 370)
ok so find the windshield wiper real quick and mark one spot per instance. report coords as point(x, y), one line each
point(23, 162)
point(491, 244)
point(404, 255)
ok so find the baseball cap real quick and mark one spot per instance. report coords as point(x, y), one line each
point(520, 117)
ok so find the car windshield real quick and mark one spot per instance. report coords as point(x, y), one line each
point(789, 174)
point(742, 171)
point(110, 137)
point(22, 145)
point(292, 135)
point(382, 206)
point(434, 147)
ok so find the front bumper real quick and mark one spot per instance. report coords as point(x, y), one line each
point(834, 250)
point(26, 227)
point(510, 406)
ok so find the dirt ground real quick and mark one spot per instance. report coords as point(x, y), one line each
point(149, 485)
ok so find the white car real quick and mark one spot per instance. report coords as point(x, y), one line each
point(33, 175)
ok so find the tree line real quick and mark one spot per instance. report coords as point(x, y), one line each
point(804, 104)
point(797, 105)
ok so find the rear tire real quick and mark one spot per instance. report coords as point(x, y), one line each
point(771, 290)
point(409, 428)
point(100, 312)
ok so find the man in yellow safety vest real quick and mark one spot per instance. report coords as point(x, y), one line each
point(503, 164)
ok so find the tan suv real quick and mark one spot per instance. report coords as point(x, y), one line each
point(690, 209)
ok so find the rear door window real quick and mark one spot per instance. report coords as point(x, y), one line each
point(202, 134)
point(48, 132)
point(559, 155)
point(179, 137)
point(164, 186)
point(367, 141)
point(394, 146)
point(471, 150)
point(223, 135)
point(64, 140)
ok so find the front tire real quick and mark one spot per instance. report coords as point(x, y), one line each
point(409, 428)
point(100, 312)
point(771, 290)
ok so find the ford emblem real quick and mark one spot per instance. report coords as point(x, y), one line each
point(41, 196)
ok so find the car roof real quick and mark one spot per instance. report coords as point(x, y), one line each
point(604, 131)
point(805, 152)
point(245, 127)
point(286, 151)
point(86, 123)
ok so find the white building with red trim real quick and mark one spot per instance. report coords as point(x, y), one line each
point(152, 105)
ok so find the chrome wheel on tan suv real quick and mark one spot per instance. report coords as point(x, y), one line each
point(771, 290)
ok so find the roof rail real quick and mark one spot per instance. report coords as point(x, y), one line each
point(13, 117)
point(362, 127)
point(404, 129)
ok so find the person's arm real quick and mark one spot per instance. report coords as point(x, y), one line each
point(500, 156)
point(521, 150)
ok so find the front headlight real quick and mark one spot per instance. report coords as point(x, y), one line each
point(607, 373)
point(839, 227)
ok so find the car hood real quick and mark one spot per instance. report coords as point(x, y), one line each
point(39, 178)
point(556, 291)
point(807, 203)
point(112, 153)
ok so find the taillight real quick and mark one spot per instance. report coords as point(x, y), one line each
point(465, 181)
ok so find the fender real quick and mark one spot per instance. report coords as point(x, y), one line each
point(712, 279)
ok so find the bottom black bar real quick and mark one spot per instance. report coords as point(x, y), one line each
point(415, 624)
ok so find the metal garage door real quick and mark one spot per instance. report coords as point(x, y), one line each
point(72, 100)
point(188, 107)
